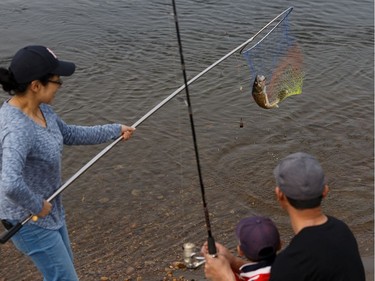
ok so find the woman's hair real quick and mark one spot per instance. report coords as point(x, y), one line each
point(10, 85)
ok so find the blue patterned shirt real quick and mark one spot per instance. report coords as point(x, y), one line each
point(31, 161)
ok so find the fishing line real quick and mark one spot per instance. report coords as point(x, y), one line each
point(210, 239)
point(181, 102)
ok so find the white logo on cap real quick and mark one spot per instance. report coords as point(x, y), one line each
point(52, 53)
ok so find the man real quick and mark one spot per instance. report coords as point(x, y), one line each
point(323, 247)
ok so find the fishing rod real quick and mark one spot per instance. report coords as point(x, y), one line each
point(8, 233)
point(210, 239)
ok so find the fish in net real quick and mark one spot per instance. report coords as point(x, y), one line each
point(276, 66)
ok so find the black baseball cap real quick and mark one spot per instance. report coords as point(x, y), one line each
point(33, 62)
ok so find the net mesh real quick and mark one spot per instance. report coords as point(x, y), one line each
point(278, 57)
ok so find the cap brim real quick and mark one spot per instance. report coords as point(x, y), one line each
point(64, 68)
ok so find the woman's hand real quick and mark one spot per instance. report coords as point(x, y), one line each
point(47, 206)
point(126, 132)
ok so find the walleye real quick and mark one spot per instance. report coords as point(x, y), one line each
point(259, 93)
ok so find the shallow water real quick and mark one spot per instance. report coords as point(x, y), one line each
point(131, 212)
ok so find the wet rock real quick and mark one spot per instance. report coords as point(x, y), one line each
point(149, 263)
point(103, 200)
point(178, 265)
point(136, 192)
point(129, 270)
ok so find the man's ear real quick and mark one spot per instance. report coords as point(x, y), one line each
point(279, 194)
point(325, 191)
point(281, 198)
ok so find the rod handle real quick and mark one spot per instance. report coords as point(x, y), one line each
point(211, 246)
point(7, 234)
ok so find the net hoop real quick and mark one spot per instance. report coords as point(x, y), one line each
point(281, 17)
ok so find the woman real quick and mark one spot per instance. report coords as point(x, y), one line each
point(32, 138)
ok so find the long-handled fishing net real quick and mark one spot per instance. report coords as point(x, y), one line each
point(276, 65)
point(282, 75)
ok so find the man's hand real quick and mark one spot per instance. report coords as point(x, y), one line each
point(218, 268)
point(234, 261)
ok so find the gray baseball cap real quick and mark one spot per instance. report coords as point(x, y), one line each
point(300, 176)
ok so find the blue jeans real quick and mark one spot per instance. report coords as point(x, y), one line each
point(49, 250)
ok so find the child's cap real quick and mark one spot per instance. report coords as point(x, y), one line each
point(258, 237)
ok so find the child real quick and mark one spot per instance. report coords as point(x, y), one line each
point(258, 240)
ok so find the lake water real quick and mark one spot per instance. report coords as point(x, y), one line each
point(131, 212)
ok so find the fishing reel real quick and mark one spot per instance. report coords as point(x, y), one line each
point(191, 259)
